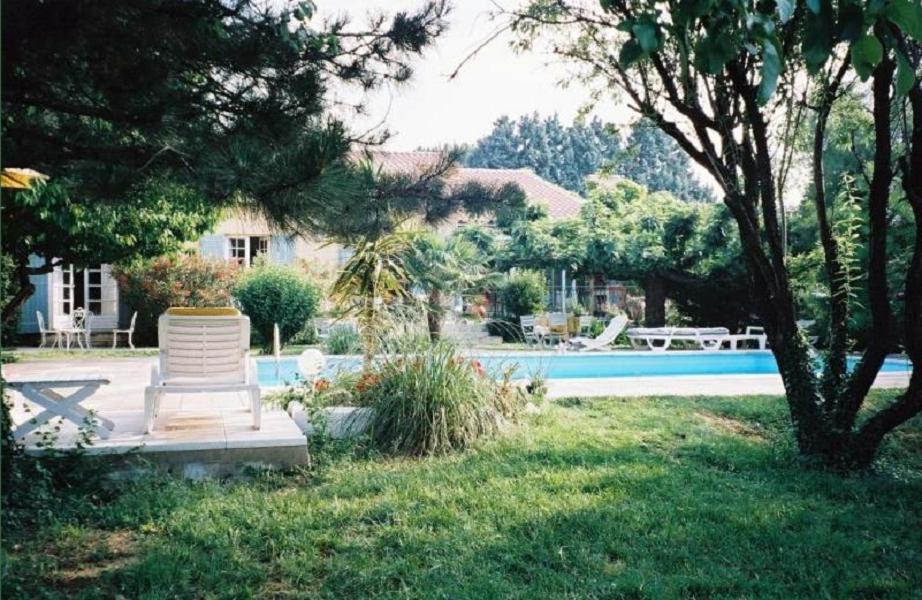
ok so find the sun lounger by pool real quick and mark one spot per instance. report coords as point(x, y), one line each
point(661, 338)
point(604, 339)
point(202, 351)
point(753, 334)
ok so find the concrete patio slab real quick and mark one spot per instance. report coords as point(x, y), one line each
point(194, 433)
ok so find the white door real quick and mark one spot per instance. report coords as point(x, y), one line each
point(101, 294)
point(62, 296)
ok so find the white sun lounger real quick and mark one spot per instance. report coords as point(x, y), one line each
point(661, 338)
point(202, 354)
point(604, 339)
point(753, 334)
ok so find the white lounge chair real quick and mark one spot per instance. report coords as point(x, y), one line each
point(606, 338)
point(753, 334)
point(707, 338)
point(649, 336)
point(202, 351)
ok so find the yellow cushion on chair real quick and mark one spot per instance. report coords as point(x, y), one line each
point(190, 311)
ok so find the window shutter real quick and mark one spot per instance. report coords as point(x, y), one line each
point(212, 246)
point(38, 301)
point(282, 249)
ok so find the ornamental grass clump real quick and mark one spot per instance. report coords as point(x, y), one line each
point(432, 402)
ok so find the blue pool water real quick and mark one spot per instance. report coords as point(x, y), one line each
point(573, 366)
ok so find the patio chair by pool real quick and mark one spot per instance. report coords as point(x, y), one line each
point(128, 333)
point(532, 332)
point(44, 333)
point(604, 339)
point(557, 326)
point(205, 350)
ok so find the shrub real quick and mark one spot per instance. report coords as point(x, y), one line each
point(522, 293)
point(150, 286)
point(343, 340)
point(432, 401)
point(9, 287)
point(271, 294)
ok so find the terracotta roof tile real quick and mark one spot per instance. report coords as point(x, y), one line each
point(560, 203)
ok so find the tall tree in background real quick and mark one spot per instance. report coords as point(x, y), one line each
point(721, 78)
point(653, 159)
point(567, 155)
point(564, 155)
point(224, 99)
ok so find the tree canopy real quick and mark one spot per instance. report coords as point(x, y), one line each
point(568, 155)
point(653, 159)
point(683, 251)
point(732, 82)
point(225, 100)
point(564, 155)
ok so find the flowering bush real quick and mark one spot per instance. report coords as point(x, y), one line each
point(151, 286)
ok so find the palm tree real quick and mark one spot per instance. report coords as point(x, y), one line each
point(373, 283)
point(442, 267)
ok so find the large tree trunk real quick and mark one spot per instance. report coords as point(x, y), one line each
point(434, 315)
point(12, 305)
point(654, 288)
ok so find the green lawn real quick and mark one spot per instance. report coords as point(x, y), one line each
point(610, 498)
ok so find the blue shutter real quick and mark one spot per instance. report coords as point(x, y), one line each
point(212, 246)
point(282, 250)
point(37, 301)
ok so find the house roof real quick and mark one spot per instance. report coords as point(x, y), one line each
point(560, 203)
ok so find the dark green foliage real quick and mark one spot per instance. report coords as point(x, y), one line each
point(385, 200)
point(563, 155)
point(274, 294)
point(522, 293)
point(223, 100)
point(653, 159)
point(9, 286)
point(739, 86)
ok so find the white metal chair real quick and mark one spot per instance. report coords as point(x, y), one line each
point(79, 329)
point(205, 352)
point(44, 333)
point(129, 332)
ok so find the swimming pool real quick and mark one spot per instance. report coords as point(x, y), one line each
point(584, 366)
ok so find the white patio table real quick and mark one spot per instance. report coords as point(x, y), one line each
point(42, 392)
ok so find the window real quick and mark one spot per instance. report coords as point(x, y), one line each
point(67, 290)
point(238, 250)
point(259, 245)
point(244, 250)
point(93, 278)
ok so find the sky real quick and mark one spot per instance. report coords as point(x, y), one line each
point(431, 110)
